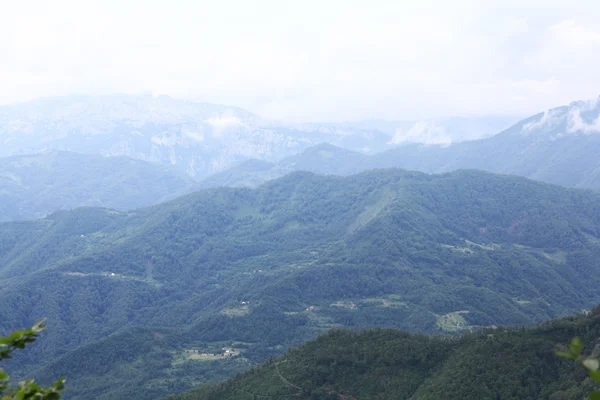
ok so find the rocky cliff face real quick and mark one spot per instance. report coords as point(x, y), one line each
point(197, 138)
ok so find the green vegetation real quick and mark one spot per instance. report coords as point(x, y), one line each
point(490, 364)
point(26, 389)
point(590, 363)
point(32, 186)
point(127, 294)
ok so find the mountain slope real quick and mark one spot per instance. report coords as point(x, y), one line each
point(389, 364)
point(559, 146)
point(438, 131)
point(33, 186)
point(202, 139)
point(261, 270)
point(325, 159)
point(197, 138)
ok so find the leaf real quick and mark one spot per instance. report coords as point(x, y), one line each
point(16, 335)
point(595, 395)
point(591, 364)
point(576, 346)
point(595, 375)
point(39, 326)
point(565, 354)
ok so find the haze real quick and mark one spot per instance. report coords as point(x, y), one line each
point(308, 60)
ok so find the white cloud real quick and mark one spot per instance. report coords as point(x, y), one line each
point(548, 120)
point(426, 132)
point(576, 123)
point(193, 133)
point(574, 34)
point(223, 123)
point(310, 60)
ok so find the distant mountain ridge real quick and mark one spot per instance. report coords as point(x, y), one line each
point(442, 131)
point(33, 186)
point(197, 138)
point(324, 159)
point(560, 146)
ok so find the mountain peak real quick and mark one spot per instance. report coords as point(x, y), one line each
point(578, 118)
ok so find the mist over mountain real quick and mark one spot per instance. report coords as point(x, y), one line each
point(323, 158)
point(558, 146)
point(33, 186)
point(442, 131)
point(197, 138)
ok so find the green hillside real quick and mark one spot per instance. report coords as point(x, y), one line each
point(492, 364)
point(33, 186)
point(257, 271)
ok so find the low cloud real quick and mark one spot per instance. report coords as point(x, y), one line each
point(577, 123)
point(223, 123)
point(549, 119)
point(426, 132)
point(323, 61)
point(580, 117)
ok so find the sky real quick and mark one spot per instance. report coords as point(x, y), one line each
point(307, 60)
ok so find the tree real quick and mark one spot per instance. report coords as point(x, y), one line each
point(27, 389)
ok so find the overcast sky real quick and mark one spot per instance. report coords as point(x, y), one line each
point(309, 60)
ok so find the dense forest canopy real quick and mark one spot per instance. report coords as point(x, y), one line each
point(139, 296)
point(491, 364)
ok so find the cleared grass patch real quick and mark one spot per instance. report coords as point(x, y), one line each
point(453, 321)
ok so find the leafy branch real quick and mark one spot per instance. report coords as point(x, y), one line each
point(573, 352)
point(27, 389)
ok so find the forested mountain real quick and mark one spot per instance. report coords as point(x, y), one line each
point(559, 146)
point(141, 304)
point(491, 364)
point(33, 186)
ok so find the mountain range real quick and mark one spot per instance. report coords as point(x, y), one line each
point(197, 138)
point(559, 146)
point(142, 303)
point(151, 291)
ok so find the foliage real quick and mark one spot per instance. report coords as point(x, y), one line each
point(33, 186)
point(591, 364)
point(26, 389)
point(270, 268)
point(506, 364)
